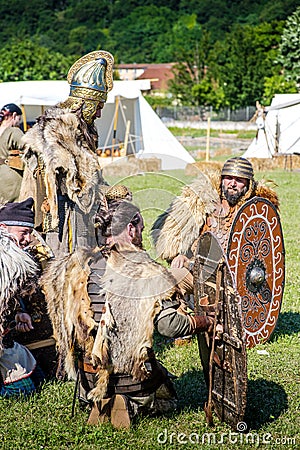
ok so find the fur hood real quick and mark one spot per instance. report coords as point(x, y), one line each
point(58, 143)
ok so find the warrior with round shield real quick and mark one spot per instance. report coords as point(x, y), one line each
point(62, 171)
point(226, 230)
point(214, 203)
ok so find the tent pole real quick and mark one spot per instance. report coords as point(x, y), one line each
point(207, 139)
point(24, 118)
point(115, 125)
point(126, 137)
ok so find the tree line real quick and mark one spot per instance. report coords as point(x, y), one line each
point(228, 53)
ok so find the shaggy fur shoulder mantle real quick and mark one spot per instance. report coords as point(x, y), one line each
point(263, 189)
point(175, 230)
point(57, 143)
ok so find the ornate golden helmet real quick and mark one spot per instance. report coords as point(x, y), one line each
point(238, 167)
point(90, 80)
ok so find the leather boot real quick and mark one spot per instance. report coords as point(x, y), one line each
point(120, 417)
point(100, 412)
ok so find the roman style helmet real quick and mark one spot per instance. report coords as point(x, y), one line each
point(238, 167)
point(90, 79)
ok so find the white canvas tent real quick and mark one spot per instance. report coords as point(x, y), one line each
point(280, 132)
point(127, 117)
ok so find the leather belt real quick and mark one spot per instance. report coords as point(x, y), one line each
point(124, 384)
point(87, 367)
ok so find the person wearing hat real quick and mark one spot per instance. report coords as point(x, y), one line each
point(62, 171)
point(11, 166)
point(26, 246)
point(208, 204)
point(19, 372)
point(17, 218)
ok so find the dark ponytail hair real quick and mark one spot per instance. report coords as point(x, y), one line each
point(8, 110)
point(112, 218)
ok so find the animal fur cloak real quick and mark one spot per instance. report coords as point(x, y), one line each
point(135, 286)
point(60, 142)
point(18, 277)
point(176, 229)
point(64, 283)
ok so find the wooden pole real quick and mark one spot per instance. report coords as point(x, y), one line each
point(126, 137)
point(24, 118)
point(115, 125)
point(207, 139)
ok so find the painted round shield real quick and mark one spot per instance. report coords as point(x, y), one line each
point(223, 357)
point(256, 258)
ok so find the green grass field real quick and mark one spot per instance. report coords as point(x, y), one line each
point(214, 132)
point(44, 421)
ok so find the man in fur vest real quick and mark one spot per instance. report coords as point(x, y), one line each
point(208, 204)
point(19, 373)
point(112, 299)
point(62, 171)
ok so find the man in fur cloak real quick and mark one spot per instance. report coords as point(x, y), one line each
point(112, 299)
point(19, 373)
point(208, 204)
point(62, 171)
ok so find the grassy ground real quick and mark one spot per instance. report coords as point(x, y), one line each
point(44, 421)
point(195, 132)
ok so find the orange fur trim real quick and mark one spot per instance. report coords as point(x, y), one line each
point(262, 190)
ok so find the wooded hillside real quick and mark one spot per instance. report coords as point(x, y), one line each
point(230, 47)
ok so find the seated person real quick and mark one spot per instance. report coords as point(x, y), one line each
point(19, 373)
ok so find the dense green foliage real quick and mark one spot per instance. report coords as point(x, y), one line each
point(228, 52)
point(44, 421)
point(290, 47)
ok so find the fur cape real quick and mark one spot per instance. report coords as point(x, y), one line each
point(64, 283)
point(58, 142)
point(18, 276)
point(179, 226)
point(176, 229)
point(135, 286)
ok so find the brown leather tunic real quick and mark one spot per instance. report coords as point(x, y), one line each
point(219, 223)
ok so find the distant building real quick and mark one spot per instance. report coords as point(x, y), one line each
point(159, 74)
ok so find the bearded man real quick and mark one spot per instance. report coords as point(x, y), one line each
point(62, 171)
point(112, 300)
point(210, 203)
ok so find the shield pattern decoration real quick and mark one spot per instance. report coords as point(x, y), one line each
point(223, 356)
point(256, 258)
